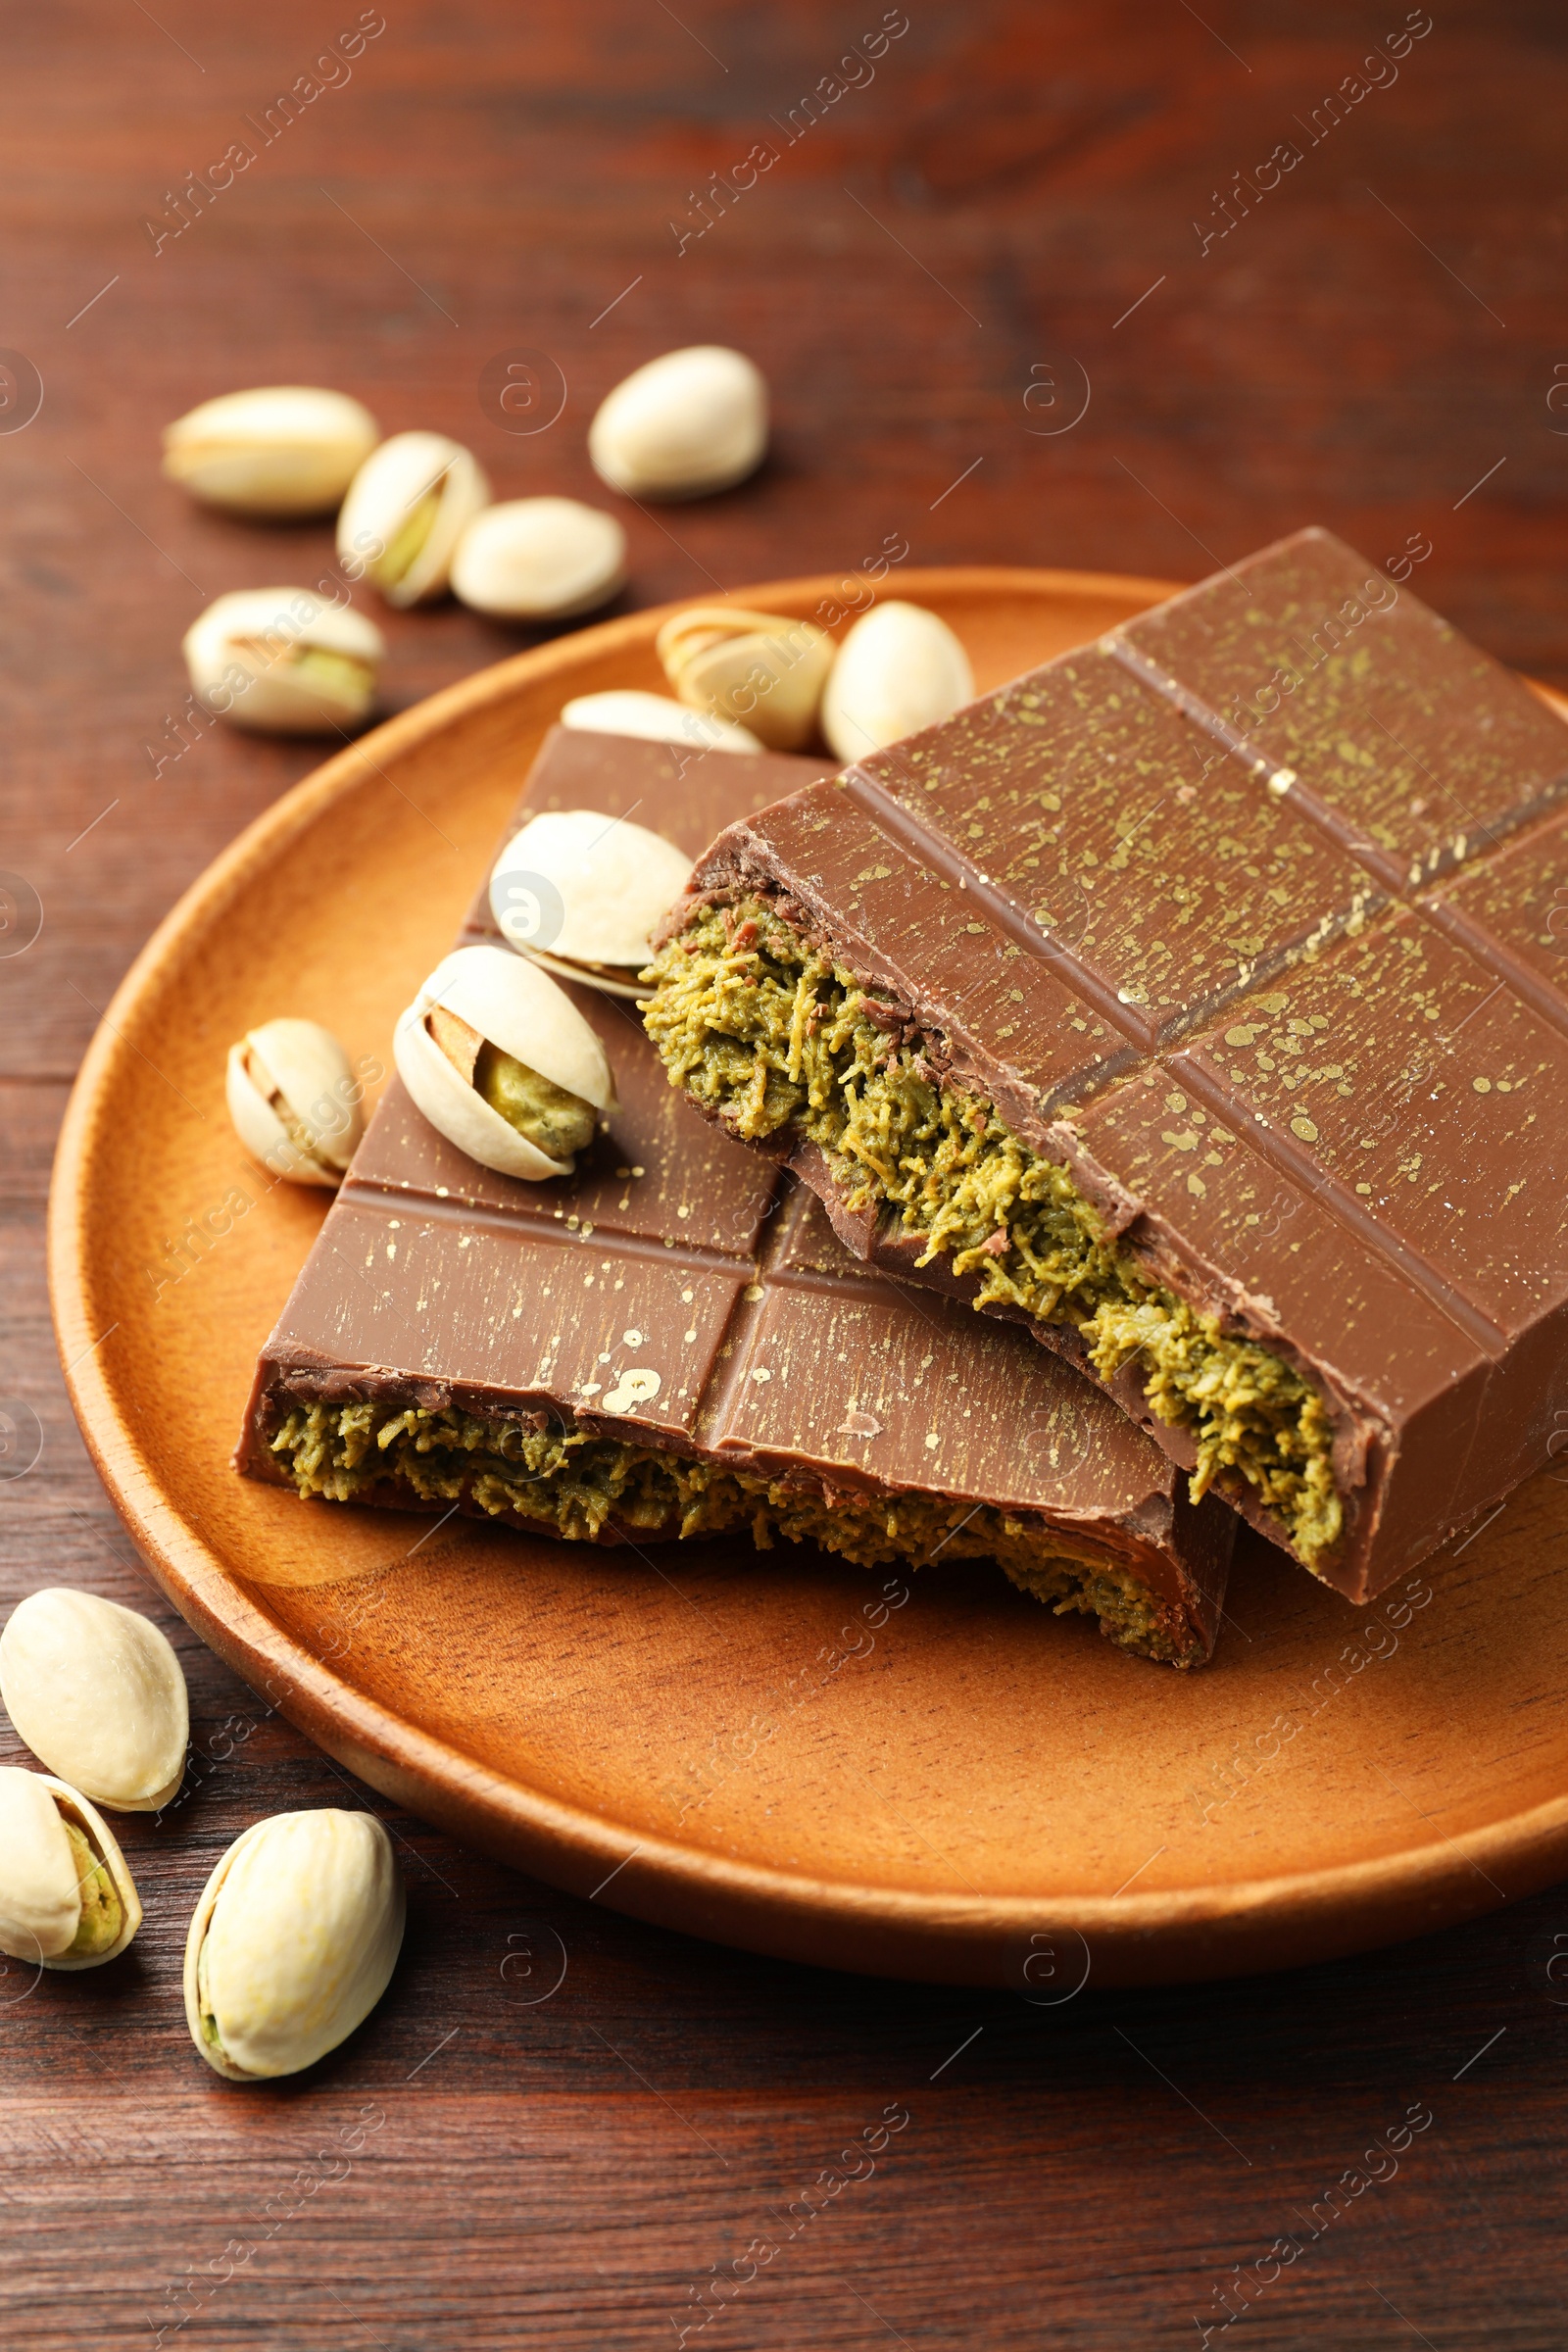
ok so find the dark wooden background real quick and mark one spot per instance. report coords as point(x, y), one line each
point(931, 276)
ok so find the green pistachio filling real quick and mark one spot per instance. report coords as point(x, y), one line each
point(762, 1030)
point(558, 1123)
point(572, 1485)
point(102, 1914)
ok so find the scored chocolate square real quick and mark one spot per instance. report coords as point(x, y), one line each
point(673, 1342)
point(1201, 999)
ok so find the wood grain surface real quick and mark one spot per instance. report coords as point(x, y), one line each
point(995, 216)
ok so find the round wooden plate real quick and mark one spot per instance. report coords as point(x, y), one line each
point(747, 1746)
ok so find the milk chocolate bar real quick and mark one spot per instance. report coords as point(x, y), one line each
point(673, 1342)
point(1200, 999)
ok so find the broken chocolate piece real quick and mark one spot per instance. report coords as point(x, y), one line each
point(1195, 999)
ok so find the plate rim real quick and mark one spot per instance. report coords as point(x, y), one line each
point(1208, 1929)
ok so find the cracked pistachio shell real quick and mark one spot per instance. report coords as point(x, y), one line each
point(41, 1879)
point(510, 1003)
point(654, 719)
point(899, 669)
point(294, 1100)
point(285, 661)
point(539, 559)
point(293, 1942)
point(287, 448)
point(407, 507)
point(99, 1696)
point(613, 881)
point(682, 426)
point(760, 669)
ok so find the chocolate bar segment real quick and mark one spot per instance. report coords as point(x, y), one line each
point(674, 1343)
point(1197, 999)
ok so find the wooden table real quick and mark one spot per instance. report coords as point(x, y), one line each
point(1004, 213)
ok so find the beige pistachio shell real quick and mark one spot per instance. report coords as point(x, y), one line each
point(654, 719)
point(899, 669)
point(285, 449)
point(42, 1887)
point(285, 661)
point(293, 1942)
point(407, 507)
point(683, 425)
point(539, 559)
point(763, 670)
point(99, 1696)
point(294, 1100)
point(614, 880)
point(515, 1006)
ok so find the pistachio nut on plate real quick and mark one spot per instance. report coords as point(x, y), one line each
point(654, 719)
point(683, 425)
point(502, 1063)
point(899, 668)
point(67, 1899)
point(761, 670)
point(539, 559)
point(285, 661)
point(99, 1696)
point(580, 892)
point(293, 1942)
point(294, 1100)
point(282, 450)
point(406, 510)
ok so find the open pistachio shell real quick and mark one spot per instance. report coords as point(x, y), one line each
point(282, 449)
point(507, 1002)
point(539, 559)
point(654, 719)
point(607, 882)
point(293, 1942)
point(98, 1695)
point(294, 1100)
point(285, 661)
point(763, 670)
point(67, 1899)
point(899, 669)
point(413, 498)
point(683, 425)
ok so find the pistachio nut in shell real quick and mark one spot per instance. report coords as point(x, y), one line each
point(67, 1899)
point(683, 425)
point(899, 669)
point(654, 719)
point(294, 1100)
point(99, 1696)
point(539, 559)
point(586, 889)
point(283, 449)
point(761, 669)
point(406, 510)
point(502, 1063)
point(285, 661)
point(293, 1942)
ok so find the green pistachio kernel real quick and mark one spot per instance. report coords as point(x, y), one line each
point(338, 676)
point(102, 1913)
point(556, 1122)
point(404, 550)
